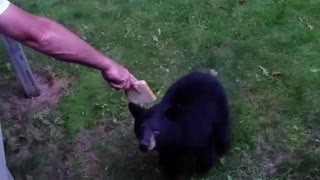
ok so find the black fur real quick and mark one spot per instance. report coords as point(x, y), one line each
point(191, 119)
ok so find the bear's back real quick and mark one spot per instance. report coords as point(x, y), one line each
point(202, 103)
point(196, 88)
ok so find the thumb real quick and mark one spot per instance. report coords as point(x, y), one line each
point(134, 85)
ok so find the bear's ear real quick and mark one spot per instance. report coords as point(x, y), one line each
point(136, 110)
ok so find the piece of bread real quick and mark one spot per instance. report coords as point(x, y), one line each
point(144, 96)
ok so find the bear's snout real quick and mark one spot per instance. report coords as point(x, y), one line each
point(148, 141)
point(144, 147)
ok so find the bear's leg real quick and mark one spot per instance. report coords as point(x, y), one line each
point(170, 163)
point(222, 139)
point(206, 160)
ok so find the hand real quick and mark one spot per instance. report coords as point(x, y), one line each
point(119, 77)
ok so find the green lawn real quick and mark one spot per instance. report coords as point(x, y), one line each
point(266, 53)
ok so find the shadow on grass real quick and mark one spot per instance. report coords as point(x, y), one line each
point(121, 159)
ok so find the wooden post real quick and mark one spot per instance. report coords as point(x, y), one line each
point(21, 66)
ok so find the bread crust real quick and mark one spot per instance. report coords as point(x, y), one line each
point(144, 96)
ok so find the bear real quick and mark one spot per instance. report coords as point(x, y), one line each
point(191, 120)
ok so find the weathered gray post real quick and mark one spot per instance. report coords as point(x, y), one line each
point(26, 79)
point(21, 66)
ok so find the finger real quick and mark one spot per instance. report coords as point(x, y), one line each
point(132, 78)
point(136, 87)
point(128, 83)
point(133, 83)
point(126, 86)
point(116, 87)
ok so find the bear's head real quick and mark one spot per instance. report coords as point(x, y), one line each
point(155, 127)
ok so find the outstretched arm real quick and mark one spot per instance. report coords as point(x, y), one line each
point(52, 39)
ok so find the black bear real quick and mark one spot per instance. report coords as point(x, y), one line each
point(191, 119)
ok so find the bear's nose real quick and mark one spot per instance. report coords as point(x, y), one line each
point(143, 147)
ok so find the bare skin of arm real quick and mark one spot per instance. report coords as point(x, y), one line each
point(52, 39)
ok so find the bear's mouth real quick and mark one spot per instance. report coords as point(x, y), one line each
point(149, 145)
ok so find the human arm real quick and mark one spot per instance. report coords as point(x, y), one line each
point(52, 39)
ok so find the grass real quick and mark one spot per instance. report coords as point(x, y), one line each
point(275, 117)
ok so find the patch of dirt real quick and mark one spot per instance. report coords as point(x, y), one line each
point(271, 160)
point(32, 151)
point(51, 90)
point(84, 147)
point(270, 155)
point(275, 158)
point(29, 144)
point(314, 143)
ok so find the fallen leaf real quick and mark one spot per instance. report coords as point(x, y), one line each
point(276, 74)
point(114, 120)
point(229, 177)
point(314, 70)
point(155, 38)
point(310, 27)
point(8, 65)
point(222, 161)
point(264, 71)
point(202, 26)
point(158, 93)
point(213, 72)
